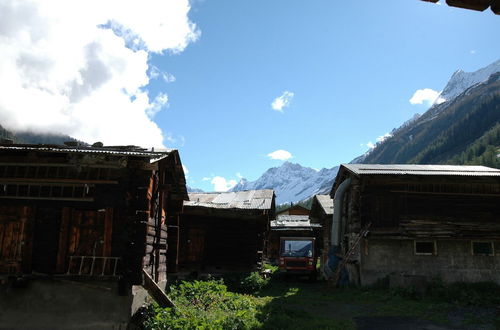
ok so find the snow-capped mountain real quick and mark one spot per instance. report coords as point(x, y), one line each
point(461, 130)
point(461, 80)
point(194, 190)
point(292, 182)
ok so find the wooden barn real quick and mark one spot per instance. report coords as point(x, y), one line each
point(224, 232)
point(479, 5)
point(321, 213)
point(293, 209)
point(418, 221)
point(291, 226)
point(79, 227)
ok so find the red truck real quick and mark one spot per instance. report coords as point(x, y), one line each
point(297, 256)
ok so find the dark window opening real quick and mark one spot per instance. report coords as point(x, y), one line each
point(425, 248)
point(482, 248)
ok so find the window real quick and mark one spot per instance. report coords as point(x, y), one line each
point(482, 248)
point(425, 248)
point(296, 248)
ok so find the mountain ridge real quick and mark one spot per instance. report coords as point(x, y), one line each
point(292, 182)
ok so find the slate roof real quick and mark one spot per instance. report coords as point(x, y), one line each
point(326, 203)
point(458, 170)
point(249, 199)
point(130, 151)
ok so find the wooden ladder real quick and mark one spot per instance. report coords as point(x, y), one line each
point(348, 254)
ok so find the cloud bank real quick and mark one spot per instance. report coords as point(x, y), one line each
point(81, 67)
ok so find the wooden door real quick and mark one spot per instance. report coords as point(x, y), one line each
point(12, 231)
point(46, 239)
point(196, 244)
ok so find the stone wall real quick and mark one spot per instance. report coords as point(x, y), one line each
point(61, 304)
point(453, 261)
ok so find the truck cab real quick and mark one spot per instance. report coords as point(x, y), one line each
point(297, 255)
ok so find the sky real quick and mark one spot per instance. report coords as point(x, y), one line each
point(236, 86)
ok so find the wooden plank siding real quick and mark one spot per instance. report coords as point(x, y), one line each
point(63, 204)
point(229, 244)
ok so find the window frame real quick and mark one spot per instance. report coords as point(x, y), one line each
point(492, 245)
point(433, 253)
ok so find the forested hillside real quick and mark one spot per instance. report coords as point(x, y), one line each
point(34, 138)
point(465, 130)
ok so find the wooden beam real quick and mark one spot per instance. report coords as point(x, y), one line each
point(63, 240)
point(156, 292)
point(108, 232)
point(69, 199)
point(55, 181)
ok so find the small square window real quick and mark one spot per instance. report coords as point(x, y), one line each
point(425, 248)
point(482, 248)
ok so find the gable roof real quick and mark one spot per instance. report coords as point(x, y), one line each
point(413, 170)
point(294, 207)
point(324, 203)
point(406, 169)
point(246, 200)
point(128, 151)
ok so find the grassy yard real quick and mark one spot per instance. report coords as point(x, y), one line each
point(303, 305)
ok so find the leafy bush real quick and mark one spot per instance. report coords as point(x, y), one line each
point(245, 282)
point(253, 283)
point(204, 305)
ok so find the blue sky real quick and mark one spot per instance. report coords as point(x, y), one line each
point(352, 67)
point(232, 83)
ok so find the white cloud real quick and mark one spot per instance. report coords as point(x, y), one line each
point(280, 155)
point(175, 141)
point(81, 67)
point(221, 184)
point(158, 103)
point(379, 140)
point(186, 171)
point(168, 77)
point(239, 176)
point(206, 179)
point(282, 101)
point(426, 95)
point(155, 73)
point(473, 51)
point(384, 137)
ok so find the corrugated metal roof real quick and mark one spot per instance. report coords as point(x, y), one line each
point(326, 203)
point(405, 169)
point(115, 151)
point(249, 199)
point(294, 221)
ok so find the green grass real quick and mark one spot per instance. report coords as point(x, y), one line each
point(302, 305)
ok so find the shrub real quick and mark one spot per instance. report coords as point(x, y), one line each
point(245, 282)
point(253, 283)
point(203, 305)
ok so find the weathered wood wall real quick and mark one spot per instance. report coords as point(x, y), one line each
point(58, 206)
point(225, 244)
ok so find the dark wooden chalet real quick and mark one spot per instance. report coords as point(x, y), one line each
point(424, 221)
point(293, 210)
point(224, 232)
point(479, 5)
point(321, 213)
point(79, 226)
point(292, 226)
